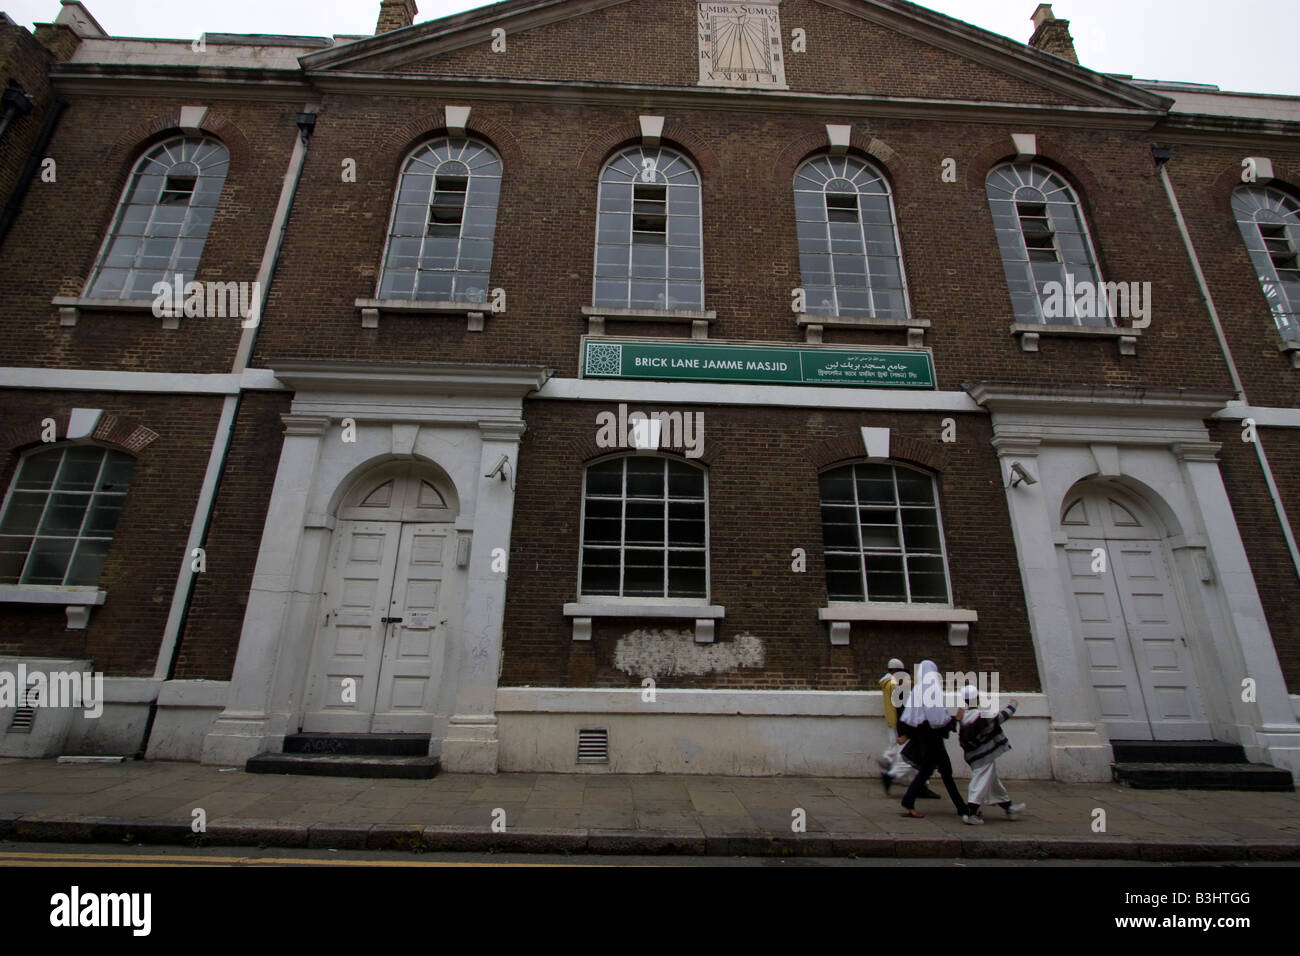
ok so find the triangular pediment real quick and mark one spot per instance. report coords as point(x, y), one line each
point(860, 48)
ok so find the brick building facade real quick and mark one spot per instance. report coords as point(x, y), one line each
point(383, 498)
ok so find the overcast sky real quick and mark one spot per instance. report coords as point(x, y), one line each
point(1244, 45)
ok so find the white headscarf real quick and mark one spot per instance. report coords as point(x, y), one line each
point(925, 703)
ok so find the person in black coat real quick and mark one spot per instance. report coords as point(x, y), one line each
point(925, 723)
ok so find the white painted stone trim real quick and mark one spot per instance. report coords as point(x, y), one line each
point(704, 615)
point(1264, 416)
point(104, 380)
point(70, 307)
point(193, 693)
point(912, 613)
point(790, 396)
point(475, 312)
point(792, 703)
point(643, 608)
point(1028, 334)
point(699, 319)
point(44, 594)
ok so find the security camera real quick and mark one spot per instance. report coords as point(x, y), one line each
point(499, 469)
point(1021, 474)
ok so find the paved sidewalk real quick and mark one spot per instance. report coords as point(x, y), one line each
point(603, 813)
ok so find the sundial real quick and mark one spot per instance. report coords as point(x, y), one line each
point(740, 45)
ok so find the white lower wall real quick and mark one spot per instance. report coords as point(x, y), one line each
point(187, 710)
point(740, 733)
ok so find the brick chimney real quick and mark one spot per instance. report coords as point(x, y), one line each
point(1052, 35)
point(395, 14)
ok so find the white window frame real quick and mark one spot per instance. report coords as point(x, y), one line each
point(804, 228)
point(637, 155)
point(62, 448)
point(1287, 317)
point(1024, 264)
point(663, 600)
point(421, 153)
point(119, 212)
point(902, 551)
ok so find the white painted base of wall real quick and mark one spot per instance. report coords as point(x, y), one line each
point(735, 733)
point(187, 710)
point(119, 731)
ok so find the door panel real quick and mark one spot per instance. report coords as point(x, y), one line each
point(350, 637)
point(413, 652)
point(1111, 667)
point(1132, 624)
point(1155, 627)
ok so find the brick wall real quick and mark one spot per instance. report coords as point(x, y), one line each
point(1270, 560)
point(216, 616)
point(54, 244)
point(149, 543)
point(763, 503)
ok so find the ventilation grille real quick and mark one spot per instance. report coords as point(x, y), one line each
point(25, 715)
point(593, 746)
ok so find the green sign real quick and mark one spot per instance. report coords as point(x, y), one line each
point(698, 361)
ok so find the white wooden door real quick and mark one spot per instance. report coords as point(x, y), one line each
point(1158, 638)
point(1131, 623)
point(350, 637)
point(413, 651)
point(1111, 666)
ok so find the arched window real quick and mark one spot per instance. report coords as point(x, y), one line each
point(1043, 238)
point(883, 536)
point(162, 219)
point(648, 248)
point(60, 514)
point(444, 218)
point(645, 529)
point(848, 242)
point(1269, 220)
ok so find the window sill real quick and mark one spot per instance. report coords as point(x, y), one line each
point(1292, 351)
point(70, 307)
point(699, 320)
point(474, 312)
point(1028, 333)
point(77, 601)
point(814, 324)
point(839, 617)
point(705, 615)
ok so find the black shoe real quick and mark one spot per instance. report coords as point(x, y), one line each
point(884, 782)
point(928, 794)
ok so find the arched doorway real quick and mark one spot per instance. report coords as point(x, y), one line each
point(381, 639)
point(1126, 611)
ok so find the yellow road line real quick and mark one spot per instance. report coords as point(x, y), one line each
point(109, 859)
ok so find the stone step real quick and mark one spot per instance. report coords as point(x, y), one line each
point(345, 765)
point(374, 745)
point(1177, 751)
point(1202, 776)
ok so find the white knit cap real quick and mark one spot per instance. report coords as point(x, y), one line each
point(970, 693)
point(895, 665)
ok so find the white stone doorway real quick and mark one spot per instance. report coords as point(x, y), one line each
point(380, 644)
point(1126, 611)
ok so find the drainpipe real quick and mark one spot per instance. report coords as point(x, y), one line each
point(169, 650)
point(15, 101)
point(1161, 155)
point(15, 202)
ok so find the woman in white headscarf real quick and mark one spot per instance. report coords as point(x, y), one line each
point(925, 723)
